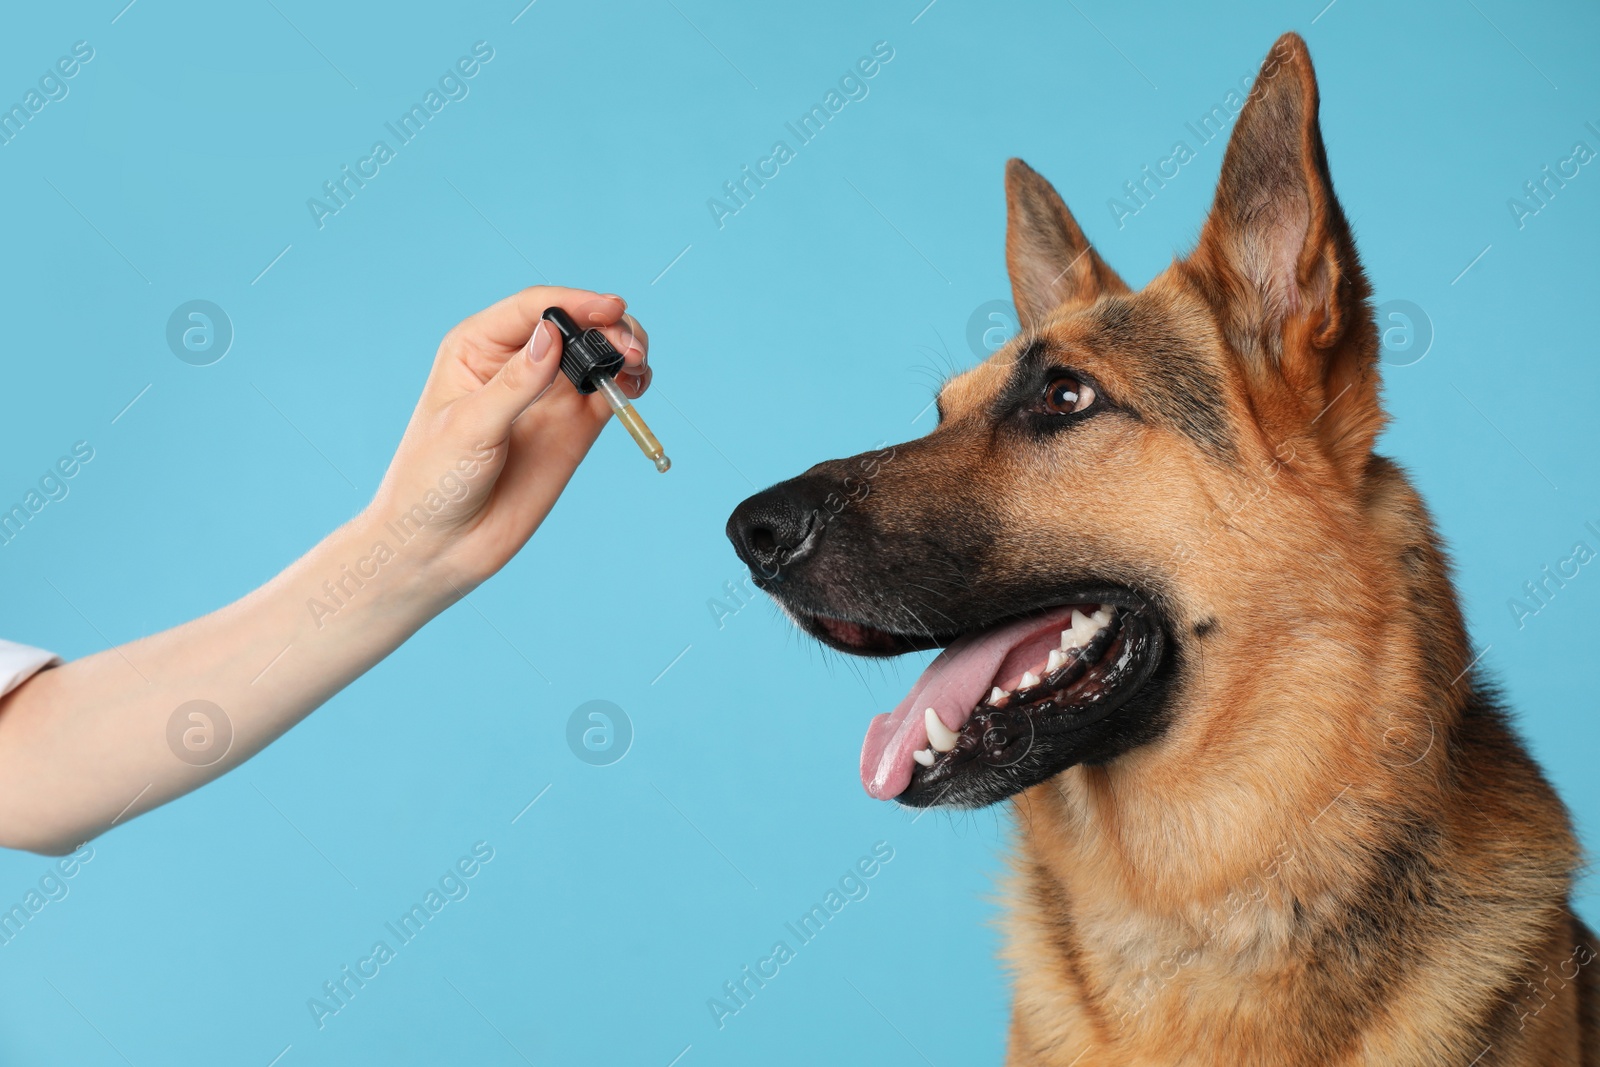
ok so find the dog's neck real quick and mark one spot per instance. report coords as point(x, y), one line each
point(1149, 904)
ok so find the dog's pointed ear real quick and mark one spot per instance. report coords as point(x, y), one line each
point(1277, 258)
point(1050, 261)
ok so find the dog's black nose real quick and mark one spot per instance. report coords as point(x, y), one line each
point(777, 527)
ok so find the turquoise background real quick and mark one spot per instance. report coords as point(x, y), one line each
point(814, 323)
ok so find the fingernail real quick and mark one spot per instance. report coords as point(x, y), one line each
point(539, 346)
point(599, 314)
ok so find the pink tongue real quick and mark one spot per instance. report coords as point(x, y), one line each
point(952, 685)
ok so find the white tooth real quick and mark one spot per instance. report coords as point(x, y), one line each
point(996, 695)
point(1029, 680)
point(1082, 632)
point(1057, 659)
point(1066, 640)
point(924, 756)
point(940, 736)
point(1102, 616)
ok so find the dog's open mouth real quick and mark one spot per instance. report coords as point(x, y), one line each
point(1008, 698)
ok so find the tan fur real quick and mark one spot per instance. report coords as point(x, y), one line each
point(1328, 765)
point(1305, 836)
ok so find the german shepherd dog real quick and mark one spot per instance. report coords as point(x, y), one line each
point(1205, 641)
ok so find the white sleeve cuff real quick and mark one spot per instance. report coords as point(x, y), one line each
point(18, 663)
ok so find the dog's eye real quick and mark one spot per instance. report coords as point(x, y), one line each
point(1066, 395)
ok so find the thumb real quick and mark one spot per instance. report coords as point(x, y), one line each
point(518, 383)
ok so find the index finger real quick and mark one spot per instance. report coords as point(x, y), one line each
point(508, 324)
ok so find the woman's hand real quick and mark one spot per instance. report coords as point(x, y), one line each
point(497, 434)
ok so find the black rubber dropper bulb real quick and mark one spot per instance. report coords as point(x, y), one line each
point(591, 362)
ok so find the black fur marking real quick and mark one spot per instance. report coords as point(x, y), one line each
point(1372, 939)
point(1519, 1009)
point(1205, 626)
point(1589, 997)
point(1064, 940)
point(1500, 1027)
point(1177, 387)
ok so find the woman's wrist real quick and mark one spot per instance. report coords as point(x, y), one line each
point(379, 566)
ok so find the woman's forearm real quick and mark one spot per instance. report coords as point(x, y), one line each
point(494, 438)
point(92, 743)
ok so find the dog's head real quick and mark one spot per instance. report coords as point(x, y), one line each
point(1134, 479)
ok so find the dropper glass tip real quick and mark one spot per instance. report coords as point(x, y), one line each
point(633, 423)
